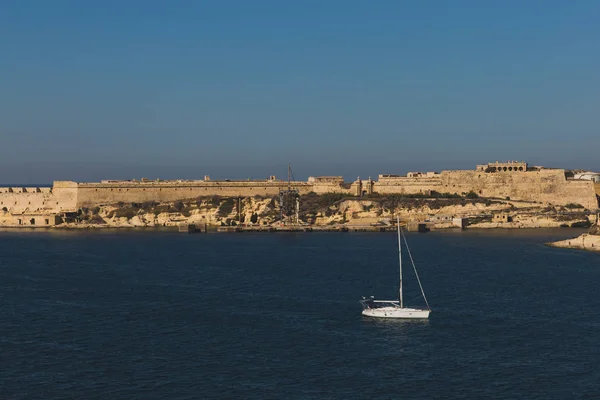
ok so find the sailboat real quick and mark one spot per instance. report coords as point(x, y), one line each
point(395, 308)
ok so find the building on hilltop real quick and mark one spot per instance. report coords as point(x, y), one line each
point(509, 166)
point(360, 188)
point(422, 174)
point(588, 176)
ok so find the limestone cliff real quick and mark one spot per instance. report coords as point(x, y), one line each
point(333, 209)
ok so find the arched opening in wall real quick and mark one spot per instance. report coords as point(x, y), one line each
point(520, 168)
point(481, 191)
point(505, 169)
point(510, 168)
point(32, 221)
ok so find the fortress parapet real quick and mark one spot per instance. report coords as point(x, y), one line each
point(410, 175)
point(509, 166)
point(326, 179)
point(422, 175)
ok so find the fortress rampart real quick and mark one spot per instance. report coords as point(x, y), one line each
point(517, 182)
point(406, 185)
point(90, 194)
point(21, 199)
point(546, 185)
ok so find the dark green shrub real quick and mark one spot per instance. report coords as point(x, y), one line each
point(178, 205)
point(573, 206)
point(226, 207)
point(97, 219)
point(125, 212)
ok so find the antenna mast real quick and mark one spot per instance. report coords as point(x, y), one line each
point(289, 202)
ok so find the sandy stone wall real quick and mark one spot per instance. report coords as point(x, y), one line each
point(406, 185)
point(30, 220)
point(23, 199)
point(546, 186)
point(90, 194)
point(328, 188)
point(66, 193)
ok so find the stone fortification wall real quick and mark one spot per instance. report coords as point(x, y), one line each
point(34, 220)
point(18, 200)
point(405, 185)
point(90, 194)
point(319, 188)
point(66, 193)
point(546, 186)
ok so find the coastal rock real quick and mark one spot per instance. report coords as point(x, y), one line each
point(583, 242)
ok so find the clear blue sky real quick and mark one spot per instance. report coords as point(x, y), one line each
point(123, 89)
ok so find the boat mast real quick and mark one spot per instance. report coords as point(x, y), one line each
point(400, 260)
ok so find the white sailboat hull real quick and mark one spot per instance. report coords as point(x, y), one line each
point(396, 312)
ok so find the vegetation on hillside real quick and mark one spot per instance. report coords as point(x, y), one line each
point(325, 208)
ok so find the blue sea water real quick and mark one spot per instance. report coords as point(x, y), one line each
point(163, 315)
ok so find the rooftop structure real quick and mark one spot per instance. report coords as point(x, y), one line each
point(508, 166)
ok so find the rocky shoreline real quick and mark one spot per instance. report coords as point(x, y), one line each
point(584, 242)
